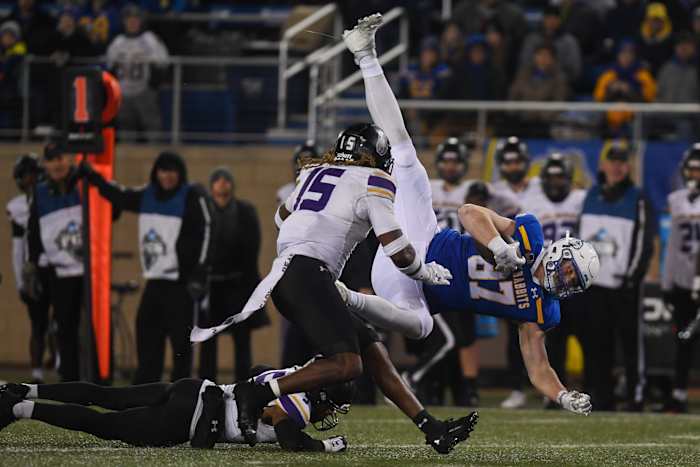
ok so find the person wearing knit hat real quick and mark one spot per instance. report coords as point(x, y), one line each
point(656, 39)
point(174, 243)
point(234, 273)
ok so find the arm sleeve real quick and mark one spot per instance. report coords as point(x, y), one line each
point(193, 244)
point(18, 256)
point(291, 438)
point(34, 245)
point(122, 199)
point(380, 212)
point(642, 241)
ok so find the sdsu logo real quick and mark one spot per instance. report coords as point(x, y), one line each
point(153, 247)
point(70, 240)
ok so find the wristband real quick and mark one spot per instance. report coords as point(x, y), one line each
point(393, 247)
point(497, 244)
point(560, 395)
point(412, 269)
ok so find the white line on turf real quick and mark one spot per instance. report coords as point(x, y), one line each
point(684, 436)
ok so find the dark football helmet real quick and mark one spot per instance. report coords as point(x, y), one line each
point(366, 145)
point(557, 176)
point(691, 161)
point(512, 149)
point(452, 150)
point(26, 164)
point(308, 150)
point(328, 402)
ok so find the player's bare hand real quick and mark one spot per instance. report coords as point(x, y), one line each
point(507, 257)
point(433, 274)
point(576, 402)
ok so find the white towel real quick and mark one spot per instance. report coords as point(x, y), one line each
point(256, 301)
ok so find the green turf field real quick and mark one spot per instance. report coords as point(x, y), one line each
point(381, 436)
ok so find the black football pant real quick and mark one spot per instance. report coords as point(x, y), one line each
point(39, 319)
point(557, 338)
point(224, 300)
point(684, 311)
point(166, 310)
point(156, 414)
point(516, 367)
point(67, 300)
point(612, 314)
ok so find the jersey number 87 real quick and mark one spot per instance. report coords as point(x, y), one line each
point(482, 271)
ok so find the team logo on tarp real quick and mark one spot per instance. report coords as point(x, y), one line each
point(70, 240)
point(604, 244)
point(152, 247)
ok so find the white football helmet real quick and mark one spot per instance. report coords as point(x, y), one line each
point(570, 266)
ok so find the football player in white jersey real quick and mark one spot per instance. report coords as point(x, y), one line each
point(681, 275)
point(334, 205)
point(558, 206)
point(167, 414)
point(32, 283)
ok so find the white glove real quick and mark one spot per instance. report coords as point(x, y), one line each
point(335, 444)
point(574, 401)
point(506, 255)
point(433, 274)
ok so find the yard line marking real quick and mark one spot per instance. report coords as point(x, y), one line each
point(525, 446)
point(684, 436)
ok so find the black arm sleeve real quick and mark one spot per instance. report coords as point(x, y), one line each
point(291, 438)
point(642, 241)
point(194, 242)
point(17, 230)
point(122, 199)
point(34, 244)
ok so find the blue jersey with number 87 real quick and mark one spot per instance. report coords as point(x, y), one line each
point(477, 287)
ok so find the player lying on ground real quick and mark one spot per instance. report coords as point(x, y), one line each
point(527, 281)
point(167, 414)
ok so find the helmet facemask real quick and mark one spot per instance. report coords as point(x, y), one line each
point(562, 274)
point(324, 411)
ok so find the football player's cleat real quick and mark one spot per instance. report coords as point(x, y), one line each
point(8, 399)
point(20, 390)
point(454, 432)
point(360, 39)
point(249, 411)
point(516, 400)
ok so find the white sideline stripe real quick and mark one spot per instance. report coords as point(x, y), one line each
point(684, 436)
point(368, 446)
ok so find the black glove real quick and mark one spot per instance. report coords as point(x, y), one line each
point(198, 284)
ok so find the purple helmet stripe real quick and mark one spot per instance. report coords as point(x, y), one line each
point(381, 182)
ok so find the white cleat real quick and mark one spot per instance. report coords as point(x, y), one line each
point(516, 400)
point(360, 39)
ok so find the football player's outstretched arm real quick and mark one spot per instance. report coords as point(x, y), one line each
point(487, 228)
point(541, 373)
point(291, 438)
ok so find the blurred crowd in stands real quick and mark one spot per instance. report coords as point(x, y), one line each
point(603, 50)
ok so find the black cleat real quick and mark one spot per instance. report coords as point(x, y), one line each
point(673, 405)
point(454, 432)
point(17, 389)
point(249, 411)
point(8, 399)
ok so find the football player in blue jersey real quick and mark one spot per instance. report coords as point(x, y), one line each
point(501, 267)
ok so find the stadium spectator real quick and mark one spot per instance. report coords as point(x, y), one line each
point(618, 220)
point(475, 78)
point(624, 20)
point(100, 19)
point(566, 48)
point(174, 232)
point(12, 52)
point(472, 15)
point(503, 58)
point(55, 229)
point(234, 273)
point(34, 293)
point(36, 26)
point(581, 20)
point(136, 57)
point(625, 81)
point(656, 41)
point(678, 83)
point(425, 80)
point(539, 79)
point(452, 44)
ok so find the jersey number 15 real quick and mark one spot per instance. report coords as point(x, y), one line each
point(315, 193)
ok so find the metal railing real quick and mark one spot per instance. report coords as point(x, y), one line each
point(317, 99)
point(285, 73)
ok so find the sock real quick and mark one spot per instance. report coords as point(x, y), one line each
point(33, 391)
point(680, 394)
point(369, 66)
point(469, 384)
point(426, 422)
point(23, 409)
point(37, 374)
